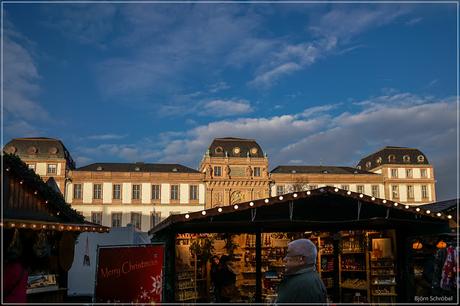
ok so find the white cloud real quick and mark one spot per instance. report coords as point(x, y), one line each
point(413, 21)
point(106, 136)
point(226, 108)
point(315, 135)
point(22, 111)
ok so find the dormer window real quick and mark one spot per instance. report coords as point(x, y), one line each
point(99, 168)
point(219, 150)
point(32, 150)
point(358, 167)
point(391, 158)
point(236, 150)
point(137, 169)
point(406, 159)
point(420, 158)
point(174, 170)
point(378, 160)
point(325, 171)
point(254, 151)
point(53, 150)
point(368, 164)
point(11, 149)
point(293, 171)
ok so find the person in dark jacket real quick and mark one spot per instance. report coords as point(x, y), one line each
point(227, 279)
point(302, 283)
point(215, 277)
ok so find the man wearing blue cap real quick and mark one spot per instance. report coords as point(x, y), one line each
point(301, 283)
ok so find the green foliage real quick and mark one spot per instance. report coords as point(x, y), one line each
point(202, 248)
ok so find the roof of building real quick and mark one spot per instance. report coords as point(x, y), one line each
point(393, 155)
point(235, 147)
point(319, 170)
point(39, 147)
point(442, 206)
point(325, 207)
point(137, 167)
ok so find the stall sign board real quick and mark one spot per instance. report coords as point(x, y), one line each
point(129, 274)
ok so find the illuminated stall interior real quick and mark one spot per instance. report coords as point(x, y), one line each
point(362, 243)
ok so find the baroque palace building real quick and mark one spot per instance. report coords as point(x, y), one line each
point(232, 170)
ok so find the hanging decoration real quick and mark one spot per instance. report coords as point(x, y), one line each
point(41, 247)
point(86, 261)
point(417, 245)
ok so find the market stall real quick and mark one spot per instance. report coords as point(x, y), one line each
point(363, 244)
point(38, 235)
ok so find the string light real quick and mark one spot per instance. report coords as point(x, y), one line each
point(406, 207)
point(235, 207)
point(34, 226)
point(36, 192)
point(23, 225)
point(251, 203)
point(281, 198)
point(295, 195)
point(384, 201)
point(373, 199)
point(348, 192)
point(21, 182)
point(308, 192)
point(395, 204)
point(43, 226)
point(267, 200)
point(417, 209)
point(449, 217)
point(13, 225)
point(203, 212)
point(7, 169)
point(219, 209)
point(46, 201)
point(336, 189)
point(187, 216)
point(438, 214)
point(361, 195)
point(428, 211)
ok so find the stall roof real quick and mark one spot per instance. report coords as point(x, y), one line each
point(54, 213)
point(325, 207)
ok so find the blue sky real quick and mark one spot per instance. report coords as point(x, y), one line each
point(312, 83)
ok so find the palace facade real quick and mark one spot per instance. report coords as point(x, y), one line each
point(232, 170)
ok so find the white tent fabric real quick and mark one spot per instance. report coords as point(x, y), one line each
point(81, 276)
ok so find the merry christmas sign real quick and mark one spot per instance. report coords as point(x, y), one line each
point(129, 274)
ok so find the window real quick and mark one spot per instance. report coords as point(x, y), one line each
point(423, 173)
point(409, 173)
point(410, 191)
point(406, 158)
point(345, 187)
point(136, 192)
point(117, 192)
point(174, 192)
point(116, 219)
point(378, 160)
point(420, 158)
point(394, 172)
point(217, 171)
point(193, 192)
point(31, 166)
point(52, 169)
point(136, 219)
point(368, 164)
point(279, 190)
point(155, 218)
point(424, 192)
point(395, 191)
point(360, 188)
point(96, 217)
point(77, 191)
point(375, 191)
point(311, 187)
point(391, 158)
point(97, 191)
point(155, 192)
point(256, 171)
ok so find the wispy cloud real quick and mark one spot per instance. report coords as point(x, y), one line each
point(413, 21)
point(226, 108)
point(333, 32)
point(22, 109)
point(106, 136)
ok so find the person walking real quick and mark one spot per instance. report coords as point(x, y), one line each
point(227, 279)
point(302, 283)
point(215, 277)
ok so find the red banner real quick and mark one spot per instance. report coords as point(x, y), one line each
point(132, 274)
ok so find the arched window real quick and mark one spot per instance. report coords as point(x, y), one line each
point(406, 158)
point(391, 158)
point(378, 160)
point(420, 158)
point(368, 164)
